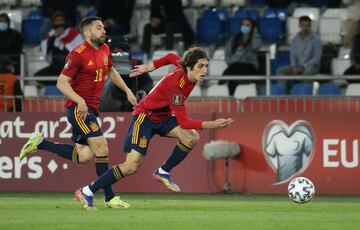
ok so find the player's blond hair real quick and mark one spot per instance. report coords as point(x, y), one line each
point(192, 56)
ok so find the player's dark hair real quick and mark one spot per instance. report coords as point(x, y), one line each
point(87, 21)
point(192, 56)
point(304, 19)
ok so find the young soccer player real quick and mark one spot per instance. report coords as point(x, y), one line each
point(81, 81)
point(161, 112)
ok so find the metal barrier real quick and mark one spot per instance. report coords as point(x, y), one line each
point(225, 105)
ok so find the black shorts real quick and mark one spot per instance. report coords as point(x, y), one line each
point(81, 130)
point(142, 129)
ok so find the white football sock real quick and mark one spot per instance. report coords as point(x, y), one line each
point(86, 190)
point(162, 171)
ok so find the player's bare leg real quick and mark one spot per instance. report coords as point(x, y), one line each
point(188, 138)
point(77, 153)
point(131, 165)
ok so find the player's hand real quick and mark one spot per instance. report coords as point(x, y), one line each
point(138, 70)
point(221, 122)
point(131, 98)
point(82, 110)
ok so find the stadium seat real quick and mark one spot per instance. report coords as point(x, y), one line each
point(275, 89)
point(30, 91)
point(329, 89)
point(344, 52)
point(159, 73)
point(301, 89)
point(292, 26)
point(245, 90)
point(208, 30)
point(251, 13)
point(27, 3)
point(31, 31)
point(280, 13)
point(353, 90)
point(339, 65)
point(234, 25)
point(220, 13)
point(217, 91)
point(336, 13)
point(217, 67)
point(219, 54)
point(35, 14)
point(51, 91)
point(330, 30)
point(229, 3)
point(202, 3)
point(271, 30)
point(192, 16)
point(15, 19)
point(240, 13)
point(143, 3)
point(196, 92)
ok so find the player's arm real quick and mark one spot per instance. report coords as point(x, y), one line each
point(63, 84)
point(175, 98)
point(187, 123)
point(168, 59)
point(115, 77)
point(72, 65)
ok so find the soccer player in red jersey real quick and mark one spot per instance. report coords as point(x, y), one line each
point(81, 81)
point(161, 112)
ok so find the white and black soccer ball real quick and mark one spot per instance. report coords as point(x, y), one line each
point(301, 190)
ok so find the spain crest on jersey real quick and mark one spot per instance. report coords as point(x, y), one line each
point(106, 60)
point(143, 142)
point(94, 127)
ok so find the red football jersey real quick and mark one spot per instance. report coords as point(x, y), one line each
point(168, 96)
point(87, 68)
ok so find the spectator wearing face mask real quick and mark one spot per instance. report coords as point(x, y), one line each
point(10, 41)
point(241, 53)
point(56, 45)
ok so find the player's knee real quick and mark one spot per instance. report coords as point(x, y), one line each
point(85, 158)
point(102, 150)
point(191, 139)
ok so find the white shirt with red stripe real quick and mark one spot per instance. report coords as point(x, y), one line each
point(69, 39)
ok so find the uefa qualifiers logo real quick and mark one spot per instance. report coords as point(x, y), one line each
point(288, 149)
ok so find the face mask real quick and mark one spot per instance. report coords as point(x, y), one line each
point(3, 26)
point(245, 29)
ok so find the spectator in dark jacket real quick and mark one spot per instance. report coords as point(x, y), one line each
point(113, 99)
point(116, 15)
point(10, 41)
point(167, 17)
point(354, 69)
point(49, 7)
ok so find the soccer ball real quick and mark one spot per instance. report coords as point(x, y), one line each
point(301, 190)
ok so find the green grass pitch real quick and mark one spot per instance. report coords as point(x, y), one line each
point(179, 211)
